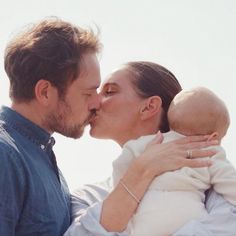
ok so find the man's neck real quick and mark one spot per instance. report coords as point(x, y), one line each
point(30, 111)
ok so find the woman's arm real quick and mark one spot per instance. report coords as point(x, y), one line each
point(119, 206)
point(86, 210)
point(92, 215)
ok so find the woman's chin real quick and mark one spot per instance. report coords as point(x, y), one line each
point(94, 133)
point(97, 134)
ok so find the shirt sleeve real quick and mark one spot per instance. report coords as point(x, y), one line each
point(86, 212)
point(223, 177)
point(220, 220)
point(12, 189)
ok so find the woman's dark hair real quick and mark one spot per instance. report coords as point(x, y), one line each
point(52, 50)
point(151, 79)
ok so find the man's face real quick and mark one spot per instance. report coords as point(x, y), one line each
point(74, 111)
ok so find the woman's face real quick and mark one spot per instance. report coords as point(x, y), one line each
point(118, 117)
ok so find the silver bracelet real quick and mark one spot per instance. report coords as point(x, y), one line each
point(128, 191)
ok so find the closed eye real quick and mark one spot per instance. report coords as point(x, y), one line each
point(109, 89)
point(88, 94)
point(109, 92)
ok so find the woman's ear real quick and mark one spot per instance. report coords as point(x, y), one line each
point(44, 92)
point(150, 107)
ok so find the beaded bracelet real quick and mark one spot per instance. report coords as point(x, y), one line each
point(128, 191)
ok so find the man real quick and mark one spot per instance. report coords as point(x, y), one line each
point(54, 73)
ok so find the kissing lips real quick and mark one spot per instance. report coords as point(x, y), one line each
point(92, 118)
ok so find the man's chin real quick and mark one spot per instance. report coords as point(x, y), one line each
point(75, 134)
point(79, 134)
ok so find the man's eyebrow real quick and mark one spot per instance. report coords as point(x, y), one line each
point(93, 87)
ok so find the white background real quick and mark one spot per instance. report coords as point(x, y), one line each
point(195, 39)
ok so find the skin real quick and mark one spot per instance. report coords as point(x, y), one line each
point(118, 117)
point(123, 113)
point(70, 114)
point(122, 116)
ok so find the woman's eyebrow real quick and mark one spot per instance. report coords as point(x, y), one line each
point(106, 85)
point(109, 84)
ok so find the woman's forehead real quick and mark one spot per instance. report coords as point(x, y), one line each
point(119, 76)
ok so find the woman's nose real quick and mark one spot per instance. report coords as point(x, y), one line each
point(96, 102)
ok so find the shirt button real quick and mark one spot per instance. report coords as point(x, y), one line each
point(42, 146)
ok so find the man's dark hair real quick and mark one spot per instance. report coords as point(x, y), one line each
point(51, 50)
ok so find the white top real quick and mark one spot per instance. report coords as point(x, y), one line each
point(87, 203)
point(175, 197)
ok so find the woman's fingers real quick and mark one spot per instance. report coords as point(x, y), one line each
point(197, 153)
point(198, 145)
point(160, 157)
point(196, 163)
point(190, 139)
point(157, 139)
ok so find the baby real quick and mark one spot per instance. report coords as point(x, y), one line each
point(177, 197)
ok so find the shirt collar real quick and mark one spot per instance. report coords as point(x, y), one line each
point(27, 128)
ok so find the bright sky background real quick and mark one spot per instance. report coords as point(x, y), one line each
point(195, 39)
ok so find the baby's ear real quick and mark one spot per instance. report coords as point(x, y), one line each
point(213, 136)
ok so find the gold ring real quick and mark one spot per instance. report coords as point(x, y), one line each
point(189, 154)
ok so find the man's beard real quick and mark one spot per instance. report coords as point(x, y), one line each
point(58, 122)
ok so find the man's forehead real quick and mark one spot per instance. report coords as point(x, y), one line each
point(89, 80)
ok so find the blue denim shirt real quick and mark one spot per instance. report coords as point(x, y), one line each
point(34, 197)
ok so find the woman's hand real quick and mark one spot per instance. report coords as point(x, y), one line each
point(161, 157)
point(157, 158)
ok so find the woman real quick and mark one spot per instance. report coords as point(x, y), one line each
point(125, 114)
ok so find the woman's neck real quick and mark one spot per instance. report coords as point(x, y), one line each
point(132, 136)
